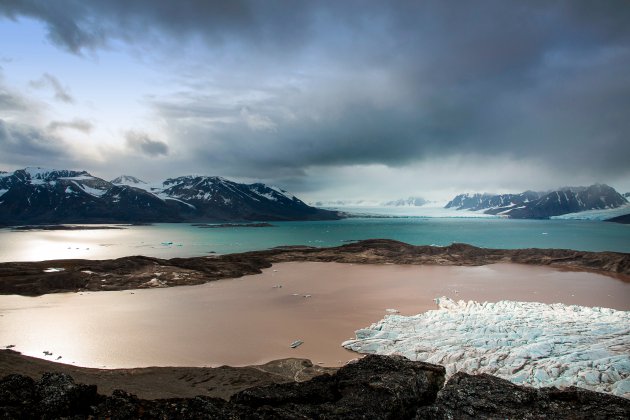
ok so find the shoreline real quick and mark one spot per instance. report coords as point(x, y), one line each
point(136, 272)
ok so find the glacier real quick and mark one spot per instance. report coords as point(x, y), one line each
point(598, 214)
point(528, 343)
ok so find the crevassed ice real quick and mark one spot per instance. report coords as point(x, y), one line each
point(528, 343)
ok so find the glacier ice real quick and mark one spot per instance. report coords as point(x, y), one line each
point(528, 343)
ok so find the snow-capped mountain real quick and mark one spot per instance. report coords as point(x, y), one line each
point(128, 180)
point(216, 197)
point(478, 201)
point(37, 195)
point(533, 205)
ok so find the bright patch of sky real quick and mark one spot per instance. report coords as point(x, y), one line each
point(108, 89)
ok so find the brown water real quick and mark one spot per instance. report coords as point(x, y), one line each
point(248, 321)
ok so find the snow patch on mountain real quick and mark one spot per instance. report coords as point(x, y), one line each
point(528, 343)
point(283, 192)
point(127, 180)
point(92, 191)
point(37, 172)
point(77, 178)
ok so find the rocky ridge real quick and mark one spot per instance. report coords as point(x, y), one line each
point(376, 387)
point(36, 278)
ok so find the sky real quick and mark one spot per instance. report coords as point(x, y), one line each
point(331, 100)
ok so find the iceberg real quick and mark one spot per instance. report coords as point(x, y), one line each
point(528, 343)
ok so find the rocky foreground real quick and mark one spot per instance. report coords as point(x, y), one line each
point(37, 278)
point(377, 387)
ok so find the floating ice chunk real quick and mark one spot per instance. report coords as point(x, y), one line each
point(53, 270)
point(527, 343)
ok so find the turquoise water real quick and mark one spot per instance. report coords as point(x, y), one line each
point(171, 240)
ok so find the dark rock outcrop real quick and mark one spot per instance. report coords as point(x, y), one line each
point(624, 219)
point(31, 279)
point(488, 397)
point(376, 387)
point(56, 395)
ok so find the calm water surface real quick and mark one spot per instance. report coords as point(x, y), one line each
point(171, 240)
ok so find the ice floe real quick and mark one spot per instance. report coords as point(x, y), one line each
point(528, 343)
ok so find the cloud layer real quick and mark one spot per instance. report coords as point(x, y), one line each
point(277, 89)
point(141, 142)
point(50, 81)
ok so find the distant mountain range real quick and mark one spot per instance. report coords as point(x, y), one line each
point(401, 202)
point(37, 195)
point(407, 202)
point(541, 205)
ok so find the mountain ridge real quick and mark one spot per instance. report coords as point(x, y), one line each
point(541, 205)
point(39, 195)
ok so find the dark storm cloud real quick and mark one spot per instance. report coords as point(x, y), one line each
point(142, 143)
point(342, 83)
point(78, 124)
point(89, 24)
point(47, 80)
point(11, 102)
point(23, 143)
